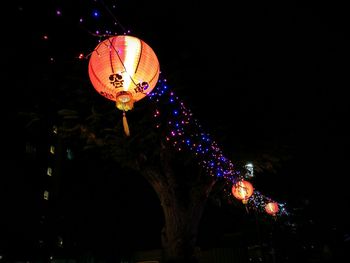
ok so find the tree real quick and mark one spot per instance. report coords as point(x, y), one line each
point(181, 183)
point(182, 179)
point(182, 188)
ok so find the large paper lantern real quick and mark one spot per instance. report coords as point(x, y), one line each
point(123, 69)
point(242, 190)
point(271, 208)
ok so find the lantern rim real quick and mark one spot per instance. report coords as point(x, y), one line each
point(123, 96)
point(245, 200)
point(124, 100)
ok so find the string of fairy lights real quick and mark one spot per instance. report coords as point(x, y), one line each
point(183, 131)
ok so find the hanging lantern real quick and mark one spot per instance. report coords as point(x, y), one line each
point(123, 69)
point(271, 208)
point(242, 190)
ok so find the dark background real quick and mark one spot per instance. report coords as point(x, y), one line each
point(254, 73)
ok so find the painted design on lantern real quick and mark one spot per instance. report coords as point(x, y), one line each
point(141, 87)
point(107, 95)
point(116, 80)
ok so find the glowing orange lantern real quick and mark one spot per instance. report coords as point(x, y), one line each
point(242, 190)
point(271, 208)
point(123, 69)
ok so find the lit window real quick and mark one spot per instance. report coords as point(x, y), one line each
point(30, 148)
point(60, 241)
point(70, 154)
point(49, 171)
point(54, 129)
point(52, 149)
point(46, 195)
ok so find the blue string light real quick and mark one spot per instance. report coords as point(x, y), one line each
point(185, 133)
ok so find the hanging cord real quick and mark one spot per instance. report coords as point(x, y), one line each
point(114, 18)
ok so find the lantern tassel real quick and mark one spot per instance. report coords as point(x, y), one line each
point(125, 125)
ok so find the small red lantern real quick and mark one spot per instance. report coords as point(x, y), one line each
point(271, 208)
point(123, 69)
point(242, 190)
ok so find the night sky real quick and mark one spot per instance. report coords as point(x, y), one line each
point(255, 74)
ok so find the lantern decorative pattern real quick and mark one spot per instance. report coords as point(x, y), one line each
point(271, 208)
point(123, 69)
point(242, 190)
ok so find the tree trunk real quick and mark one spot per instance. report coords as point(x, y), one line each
point(179, 234)
point(183, 189)
point(183, 201)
